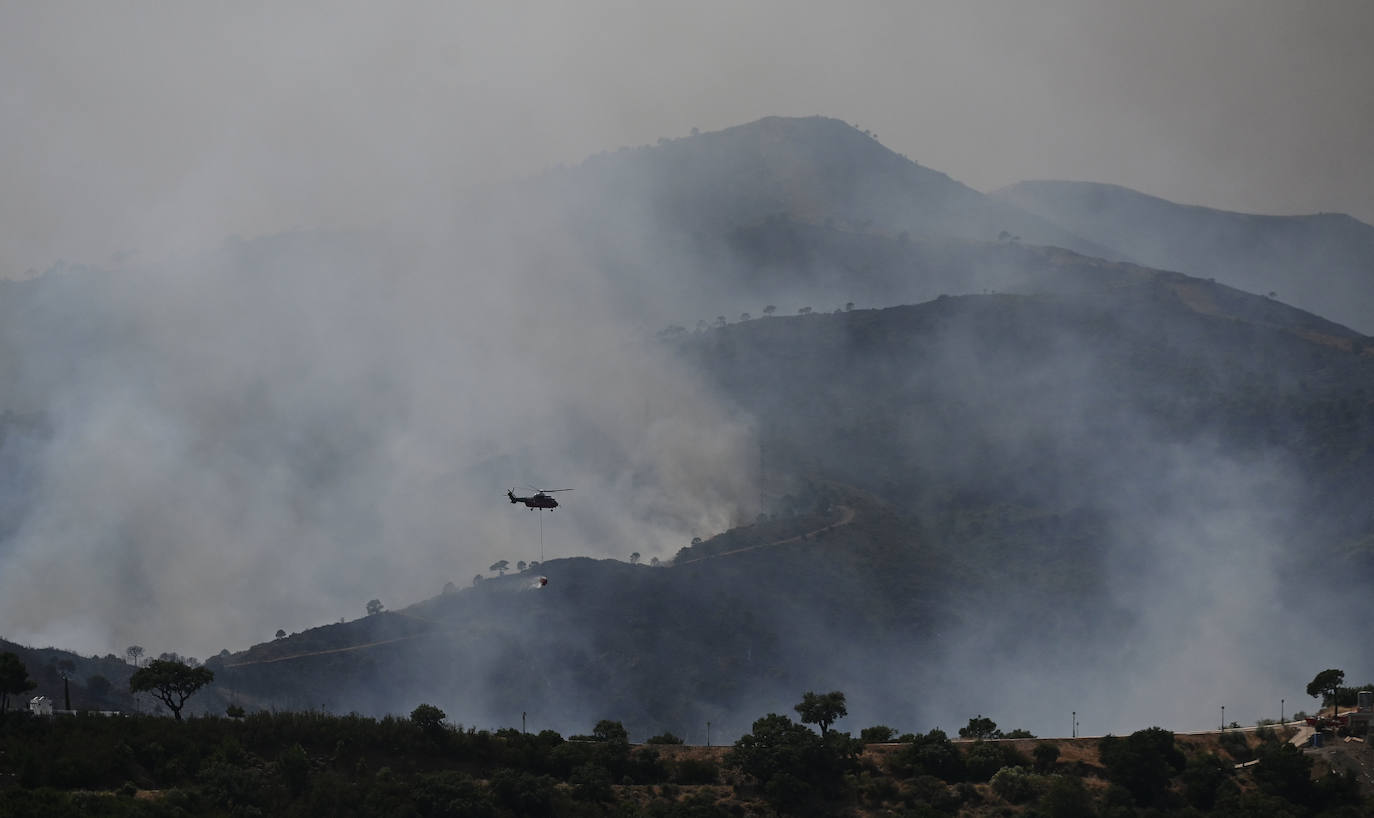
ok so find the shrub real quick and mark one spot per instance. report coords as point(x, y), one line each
point(696, 771)
point(663, 738)
point(931, 754)
point(1017, 785)
point(982, 761)
point(1046, 756)
point(876, 734)
point(1143, 762)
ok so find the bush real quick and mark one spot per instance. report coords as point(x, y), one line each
point(1046, 756)
point(696, 771)
point(931, 754)
point(1143, 762)
point(663, 738)
point(1236, 746)
point(1066, 797)
point(982, 761)
point(876, 734)
point(1017, 785)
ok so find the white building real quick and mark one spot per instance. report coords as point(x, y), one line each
point(40, 706)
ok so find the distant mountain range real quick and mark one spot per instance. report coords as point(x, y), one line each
point(1008, 461)
point(1322, 262)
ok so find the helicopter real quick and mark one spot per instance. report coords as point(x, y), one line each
point(540, 499)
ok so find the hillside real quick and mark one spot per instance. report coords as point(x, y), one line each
point(1322, 262)
point(1017, 478)
point(710, 222)
point(813, 170)
point(1023, 480)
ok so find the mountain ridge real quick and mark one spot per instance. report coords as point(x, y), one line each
point(1323, 262)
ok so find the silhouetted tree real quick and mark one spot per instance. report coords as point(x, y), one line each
point(374, 607)
point(500, 567)
point(612, 732)
point(849, 306)
point(980, 728)
point(281, 633)
point(804, 311)
point(134, 652)
point(428, 718)
point(171, 683)
point(634, 558)
point(876, 734)
point(822, 709)
point(1142, 762)
point(1328, 681)
point(663, 738)
point(520, 566)
point(794, 766)
point(744, 316)
point(14, 679)
point(769, 310)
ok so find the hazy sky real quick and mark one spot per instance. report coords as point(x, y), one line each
point(147, 127)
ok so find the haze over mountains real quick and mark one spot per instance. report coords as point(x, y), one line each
point(1067, 480)
point(1319, 262)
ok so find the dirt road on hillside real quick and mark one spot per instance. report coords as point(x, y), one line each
point(846, 517)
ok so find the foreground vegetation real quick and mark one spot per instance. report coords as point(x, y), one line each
point(318, 764)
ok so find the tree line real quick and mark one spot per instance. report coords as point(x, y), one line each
point(314, 763)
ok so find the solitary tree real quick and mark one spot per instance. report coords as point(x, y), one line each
point(500, 567)
point(634, 558)
point(1328, 681)
point(769, 310)
point(281, 633)
point(374, 607)
point(980, 727)
point(822, 709)
point(171, 683)
point(134, 652)
point(804, 311)
point(14, 679)
point(520, 566)
point(612, 732)
point(428, 718)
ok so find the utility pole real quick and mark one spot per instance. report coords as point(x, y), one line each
point(1075, 724)
point(708, 734)
point(1281, 721)
point(1223, 717)
point(522, 723)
